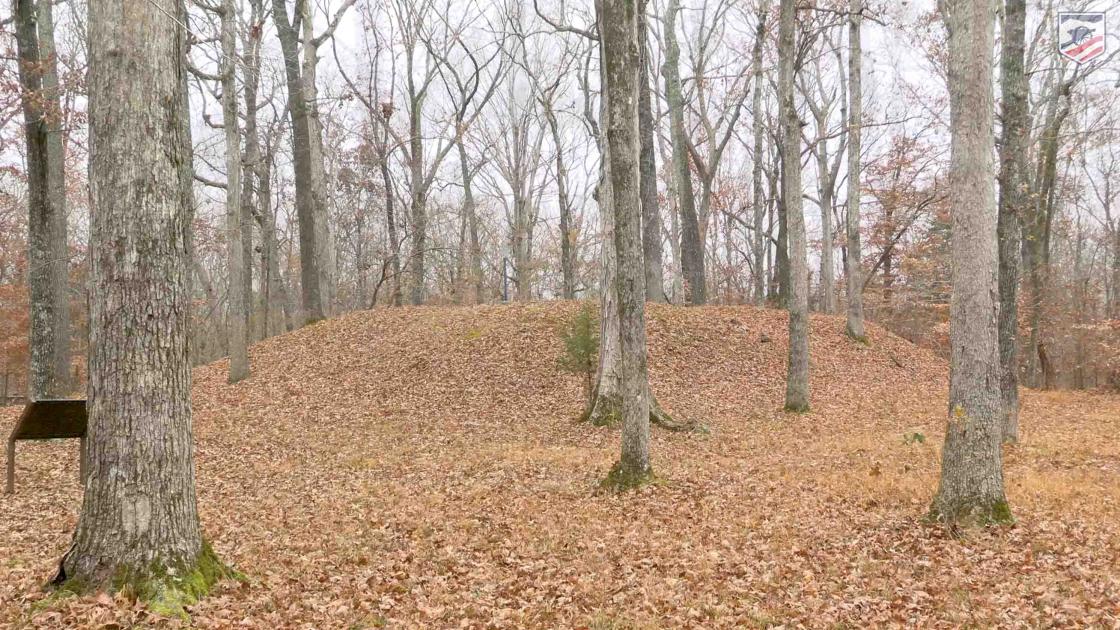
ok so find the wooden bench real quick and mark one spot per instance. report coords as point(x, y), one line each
point(49, 420)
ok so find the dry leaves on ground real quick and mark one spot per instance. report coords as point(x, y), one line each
point(420, 468)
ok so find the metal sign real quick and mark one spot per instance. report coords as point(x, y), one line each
point(1081, 36)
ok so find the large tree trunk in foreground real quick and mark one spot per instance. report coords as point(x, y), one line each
point(797, 376)
point(854, 269)
point(314, 281)
point(238, 304)
point(971, 490)
point(692, 248)
point(651, 215)
point(47, 277)
point(1013, 197)
point(139, 518)
point(621, 64)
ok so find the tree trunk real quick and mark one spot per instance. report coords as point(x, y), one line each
point(324, 247)
point(475, 253)
point(854, 259)
point(139, 520)
point(238, 306)
point(418, 191)
point(1013, 196)
point(797, 377)
point(313, 283)
point(759, 243)
point(825, 186)
point(651, 214)
point(692, 248)
point(1038, 225)
point(397, 297)
point(781, 255)
point(250, 166)
point(47, 277)
point(971, 489)
point(567, 247)
point(621, 66)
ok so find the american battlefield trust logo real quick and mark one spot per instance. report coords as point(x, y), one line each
point(1081, 36)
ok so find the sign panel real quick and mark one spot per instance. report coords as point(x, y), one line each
point(1081, 36)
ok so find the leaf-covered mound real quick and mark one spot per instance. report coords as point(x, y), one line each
point(423, 468)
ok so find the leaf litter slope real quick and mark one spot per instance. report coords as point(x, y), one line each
point(421, 468)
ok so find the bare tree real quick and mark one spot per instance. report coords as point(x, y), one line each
point(621, 64)
point(797, 377)
point(971, 489)
point(138, 528)
point(313, 237)
point(1013, 197)
point(758, 118)
point(854, 271)
point(48, 277)
point(238, 302)
point(651, 214)
point(692, 246)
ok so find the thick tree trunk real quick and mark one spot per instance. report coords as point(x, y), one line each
point(758, 117)
point(1013, 197)
point(797, 377)
point(47, 277)
point(238, 306)
point(621, 66)
point(139, 518)
point(310, 215)
point(854, 259)
point(651, 214)
point(971, 489)
point(692, 247)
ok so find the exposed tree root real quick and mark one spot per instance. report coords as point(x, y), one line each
point(606, 411)
point(969, 515)
point(165, 590)
point(621, 479)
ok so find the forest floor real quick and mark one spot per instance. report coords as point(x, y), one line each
point(421, 468)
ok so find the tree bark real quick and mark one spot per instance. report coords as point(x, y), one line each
point(854, 271)
point(825, 186)
point(797, 376)
point(47, 277)
point(475, 251)
point(651, 214)
point(971, 489)
point(1013, 196)
point(621, 65)
point(324, 246)
point(757, 121)
point(419, 192)
point(238, 306)
point(139, 518)
point(310, 215)
point(692, 248)
point(567, 246)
